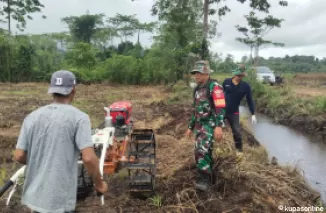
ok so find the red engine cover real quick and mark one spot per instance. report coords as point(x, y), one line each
point(123, 108)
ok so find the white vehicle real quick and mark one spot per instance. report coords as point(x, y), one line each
point(265, 75)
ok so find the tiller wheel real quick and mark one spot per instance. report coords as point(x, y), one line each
point(142, 166)
point(110, 142)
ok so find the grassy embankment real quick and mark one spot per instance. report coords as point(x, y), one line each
point(247, 184)
point(299, 103)
point(249, 168)
point(298, 107)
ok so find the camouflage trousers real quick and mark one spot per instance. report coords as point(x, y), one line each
point(204, 134)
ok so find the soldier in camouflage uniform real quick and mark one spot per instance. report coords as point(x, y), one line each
point(206, 121)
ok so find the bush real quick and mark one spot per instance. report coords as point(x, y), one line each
point(122, 69)
point(283, 99)
point(180, 86)
point(181, 94)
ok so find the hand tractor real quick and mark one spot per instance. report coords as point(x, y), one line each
point(118, 146)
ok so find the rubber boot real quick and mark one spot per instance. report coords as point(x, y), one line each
point(214, 179)
point(203, 181)
point(238, 147)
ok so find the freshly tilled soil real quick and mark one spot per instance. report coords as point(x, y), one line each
point(247, 184)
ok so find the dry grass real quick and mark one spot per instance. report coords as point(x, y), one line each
point(309, 85)
point(311, 76)
point(312, 93)
point(246, 184)
point(310, 80)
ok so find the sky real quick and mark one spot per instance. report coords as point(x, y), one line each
point(303, 32)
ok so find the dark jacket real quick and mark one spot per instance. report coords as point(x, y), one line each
point(234, 95)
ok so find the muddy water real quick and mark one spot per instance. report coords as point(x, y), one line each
point(294, 148)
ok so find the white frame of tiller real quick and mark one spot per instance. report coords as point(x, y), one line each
point(101, 137)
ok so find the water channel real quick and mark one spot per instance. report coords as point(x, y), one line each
point(293, 148)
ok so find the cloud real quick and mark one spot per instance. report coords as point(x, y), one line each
point(55, 10)
point(303, 30)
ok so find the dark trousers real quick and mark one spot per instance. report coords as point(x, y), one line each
point(65, 212)
point(234, 121)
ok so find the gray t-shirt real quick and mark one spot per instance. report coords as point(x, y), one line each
point(53, 136)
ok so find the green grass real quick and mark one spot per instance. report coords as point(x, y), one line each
point(122, 174)
point(114, 97)
point(3, 175)
point(288, 75)
point(181, 93)
point(156, 201)
point(321, 103)
point(221, 76)
point(283, 99)
point(97, 120)
point(83, 105)
point(21, 92)
point(274, 97)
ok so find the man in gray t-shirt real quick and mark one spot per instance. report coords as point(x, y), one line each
point(50, 143)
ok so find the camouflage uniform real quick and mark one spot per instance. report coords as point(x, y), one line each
point(208, 113)
point(204, 120)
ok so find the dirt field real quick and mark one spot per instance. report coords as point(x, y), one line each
point(247, 184)
point(309, 92)
point(309, 85)
point(310, 79)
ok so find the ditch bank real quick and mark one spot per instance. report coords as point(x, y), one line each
point(291, 147)
point(287, 109)
point(310, 124)
point(245, 184)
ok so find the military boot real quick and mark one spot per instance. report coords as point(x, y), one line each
point(214, 178)
point(203, 181)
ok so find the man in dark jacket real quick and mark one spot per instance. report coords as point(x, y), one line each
point(235, 89)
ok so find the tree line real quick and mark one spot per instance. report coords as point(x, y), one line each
point(286, 64)
point(180, 37)
point(296, 63)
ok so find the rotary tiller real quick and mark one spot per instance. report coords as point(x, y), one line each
point(118, 145)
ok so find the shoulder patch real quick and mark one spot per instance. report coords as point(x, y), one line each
point(218, 92)
point(215, 83)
